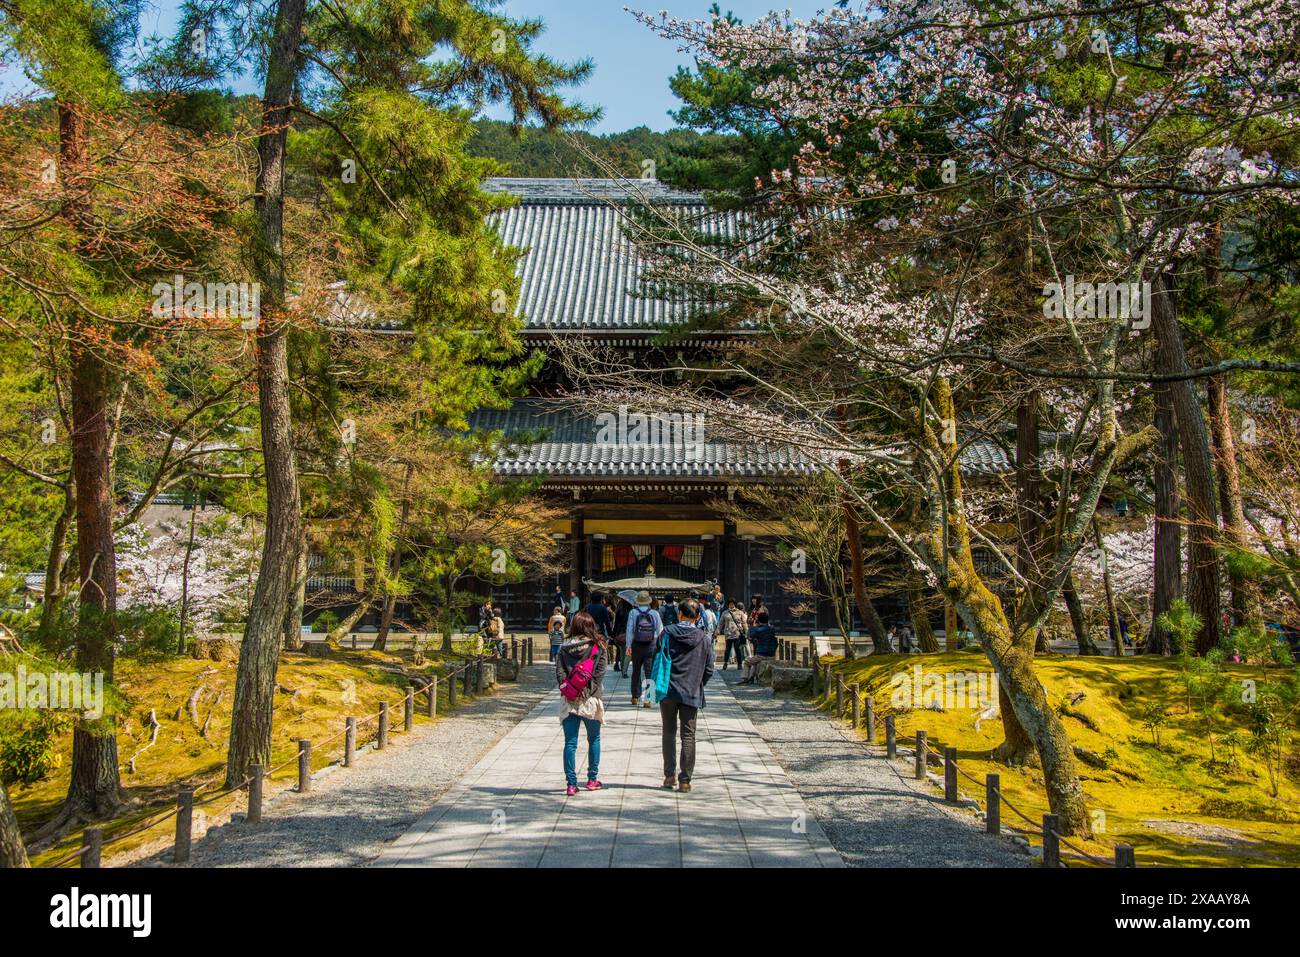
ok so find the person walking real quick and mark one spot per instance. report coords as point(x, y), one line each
point(690, 652)
point(732, 628)
point(599, 613)
point(708, 620)
point(716, 601)
point(558, 599)
point(763, 637)
point(555, 630)
point(755, 606)
point(580, 674)
point(644, 626)
point(668, 611)
point(618, 643)
point(574, 605)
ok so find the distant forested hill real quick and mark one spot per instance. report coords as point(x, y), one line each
point(536, 152)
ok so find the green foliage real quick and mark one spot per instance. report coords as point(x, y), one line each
point(537, 151)
point(29, 745)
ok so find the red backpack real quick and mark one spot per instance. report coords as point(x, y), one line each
point(578, 679)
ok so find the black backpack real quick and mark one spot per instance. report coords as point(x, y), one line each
point(643, 630)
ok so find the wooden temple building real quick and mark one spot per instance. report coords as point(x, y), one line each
point(633, 510)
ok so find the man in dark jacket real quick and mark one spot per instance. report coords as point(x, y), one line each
point(691, 652)
point(763, 638)
point(599, 613)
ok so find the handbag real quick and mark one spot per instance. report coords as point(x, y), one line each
point(662, 671)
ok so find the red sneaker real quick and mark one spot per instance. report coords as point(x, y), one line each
point(593, 785)
point(572, 790)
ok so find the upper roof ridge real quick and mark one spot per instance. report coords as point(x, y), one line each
point(576, 191)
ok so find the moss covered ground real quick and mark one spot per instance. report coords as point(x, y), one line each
point(313, 698)
point(1178, 803)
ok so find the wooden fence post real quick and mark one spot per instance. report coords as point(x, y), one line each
point(1124, 856)
point(839, 694)
point(349, 741)
point(382, 741)
point(514, 648)
point(993, 803)
point(1051, 844)
point(408, 710)
point(921, 755)
point(891, 741)
point(530, 650)
point(255, 774)
point(816, 674)
point(184, 825)
point(478, 677)
point(466, 677)
point(304, 766)
point(869, 716)
point(950, 775)
point(92, 846)
point(856, 701)
point(451, 690)
point(431, 706)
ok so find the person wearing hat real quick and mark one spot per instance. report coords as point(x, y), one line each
point(644, 626)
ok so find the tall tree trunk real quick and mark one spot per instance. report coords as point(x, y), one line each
point(925, 638)
point(1017, 746)
point(395, 564)
point(250, 725)
point(1107, 584)
point(867, 611)
point(1078, 621)
point(185, 578)
point(298, 605)
point(1202, 509)
point(1168, 572)
point(1246, 604)
point(53, 591)
point(12, 851)
point(95, 788)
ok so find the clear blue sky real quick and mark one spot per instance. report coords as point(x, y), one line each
point(632, 64)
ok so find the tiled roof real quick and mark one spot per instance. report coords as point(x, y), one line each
point(570, 451)
point(581, 270)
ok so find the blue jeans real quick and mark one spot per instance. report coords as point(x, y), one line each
point(570, 725)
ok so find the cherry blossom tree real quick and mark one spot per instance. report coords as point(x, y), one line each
point(991, 197)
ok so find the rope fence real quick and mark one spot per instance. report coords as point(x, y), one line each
point(862, 714)
point(93, 842)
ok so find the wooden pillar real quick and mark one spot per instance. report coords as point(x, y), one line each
point(993, 804)
point(184, 825)
point(577, 556)
point(431, 705)
point(381, 741)
point(408, 710)
point(922, 756)
point(869, 716)
point(1051, 843)
point(304, 766)
point(349, 742)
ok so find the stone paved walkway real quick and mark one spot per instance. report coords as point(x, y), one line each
point(509, 810)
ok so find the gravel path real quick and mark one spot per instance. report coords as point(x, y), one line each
point(872, 814)
point(352, 814)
